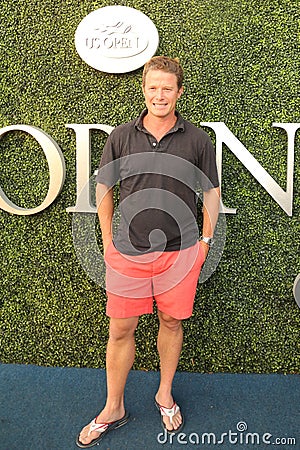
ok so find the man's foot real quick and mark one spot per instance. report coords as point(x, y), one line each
point(171, 416)
point(92, 433)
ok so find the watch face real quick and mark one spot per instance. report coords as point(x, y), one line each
point(207, 240)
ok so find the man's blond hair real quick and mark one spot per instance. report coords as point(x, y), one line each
point(166, 64)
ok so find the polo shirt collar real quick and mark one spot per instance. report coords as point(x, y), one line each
point(179, 125)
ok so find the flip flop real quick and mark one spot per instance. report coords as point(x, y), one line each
point(170, 412)
point(102, 428)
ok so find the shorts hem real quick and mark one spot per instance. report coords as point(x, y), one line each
point(181, 316)
point(127, 315)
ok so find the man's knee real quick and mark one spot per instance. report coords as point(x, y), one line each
point(169, 322)
point(122, 328)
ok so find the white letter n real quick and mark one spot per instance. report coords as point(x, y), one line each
point(224, 135)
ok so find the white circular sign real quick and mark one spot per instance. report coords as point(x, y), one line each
point(296, 289)
point(116, 39)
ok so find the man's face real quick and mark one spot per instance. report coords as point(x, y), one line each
point(161, 93)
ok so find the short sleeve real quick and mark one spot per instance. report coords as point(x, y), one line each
point(109, 167)
point(208, 166)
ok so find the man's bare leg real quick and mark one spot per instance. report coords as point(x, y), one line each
point(119, 360)
point(169, 345)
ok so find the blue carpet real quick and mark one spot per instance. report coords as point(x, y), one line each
point(44, 408)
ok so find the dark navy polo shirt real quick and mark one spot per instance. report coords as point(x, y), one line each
point(160, 183)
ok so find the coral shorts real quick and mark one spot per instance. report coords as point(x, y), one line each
point(169, 278)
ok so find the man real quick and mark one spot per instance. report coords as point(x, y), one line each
point(156, 254)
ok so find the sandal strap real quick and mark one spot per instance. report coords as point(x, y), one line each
point(99, 427)
point(170, 412)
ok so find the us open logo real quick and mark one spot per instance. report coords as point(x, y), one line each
point(116, 39)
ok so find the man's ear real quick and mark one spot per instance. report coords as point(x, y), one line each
point(180, 91)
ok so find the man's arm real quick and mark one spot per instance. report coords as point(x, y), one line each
point(211, 205)
point(105, 209)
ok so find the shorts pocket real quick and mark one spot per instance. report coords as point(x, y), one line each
point(200, 256)
point(108, 250)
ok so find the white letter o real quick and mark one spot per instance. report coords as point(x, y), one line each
point(57, 170)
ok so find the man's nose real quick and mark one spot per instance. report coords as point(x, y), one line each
point(159, 93)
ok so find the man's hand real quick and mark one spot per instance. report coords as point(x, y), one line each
point(205, 248)
point(106, 243)
point(105, 207)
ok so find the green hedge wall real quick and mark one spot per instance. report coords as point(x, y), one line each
point(241, 60)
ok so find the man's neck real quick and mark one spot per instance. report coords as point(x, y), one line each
point(159, 126)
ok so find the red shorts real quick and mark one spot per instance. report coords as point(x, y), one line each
point(169, 278)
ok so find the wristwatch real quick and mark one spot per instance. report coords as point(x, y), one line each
point(209, 241)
